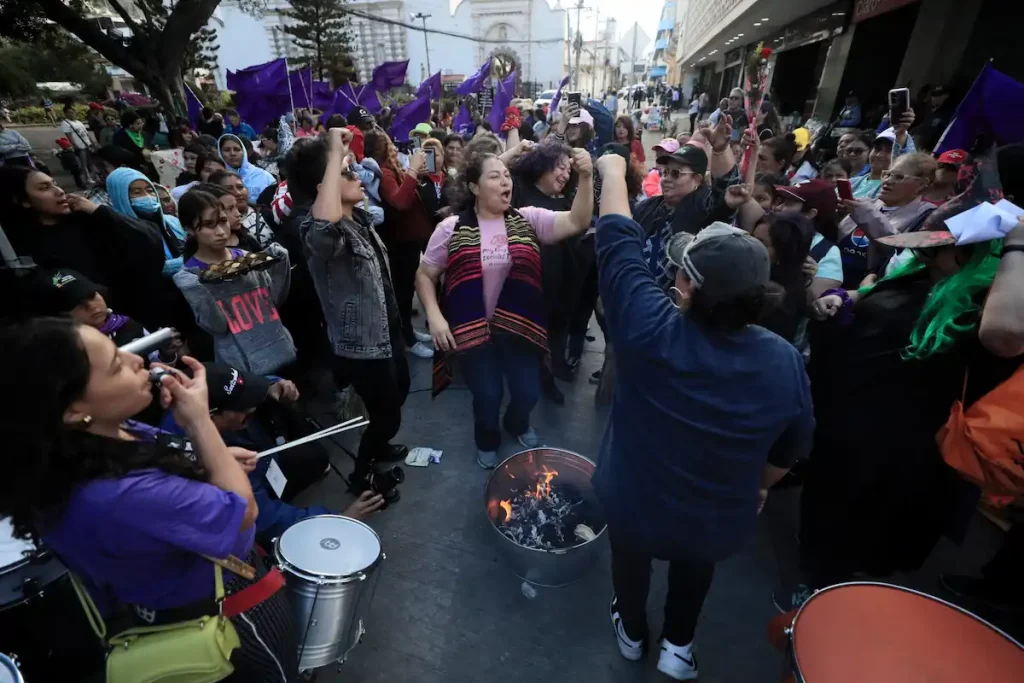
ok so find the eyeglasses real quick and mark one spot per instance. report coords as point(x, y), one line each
point(896, 177)
point(350, 174)
point(673, 173)
point(855, 151)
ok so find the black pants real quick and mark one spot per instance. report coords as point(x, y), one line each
point(693, 122)
point(383, 384)
point(405, 260)
point(688, 582)
point(1006, 567)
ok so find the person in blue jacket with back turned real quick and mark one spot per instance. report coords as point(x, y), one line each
point(709, 411)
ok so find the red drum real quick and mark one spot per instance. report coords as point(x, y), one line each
point(857, 632)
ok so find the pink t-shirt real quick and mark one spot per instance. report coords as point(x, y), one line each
point(494, 256)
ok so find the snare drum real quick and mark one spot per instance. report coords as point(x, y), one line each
point(9, 672)
point(41, 621)
point(330, 564)
point(856, 632)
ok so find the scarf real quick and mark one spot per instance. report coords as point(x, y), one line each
point(520, 309)
point(113, 323)
point(136, 137)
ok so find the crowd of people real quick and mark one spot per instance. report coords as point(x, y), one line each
point(760, 315)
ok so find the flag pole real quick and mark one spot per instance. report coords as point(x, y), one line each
point(956, 113)
point(287, 77)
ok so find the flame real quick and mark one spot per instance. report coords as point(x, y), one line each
point(543, 488)
point(506, 505)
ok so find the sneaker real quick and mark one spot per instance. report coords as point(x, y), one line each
point(633, 650)
point(789, 599)
point(529, 439)
point(487, 459)
point(677, 661)
point(423, 336)
point(421, 350)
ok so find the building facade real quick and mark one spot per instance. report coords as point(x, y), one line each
point(528, 33)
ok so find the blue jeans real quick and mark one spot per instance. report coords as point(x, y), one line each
point(483, 368)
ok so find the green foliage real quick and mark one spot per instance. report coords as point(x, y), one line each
point(56, 57)
point(36, 115)
point(201, 52)
point(319, 28)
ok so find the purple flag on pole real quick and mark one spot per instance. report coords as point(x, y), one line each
point(473, 84)
point(558, 95)
point(301, 82)
point(463, 124)
point(389, 75)
point(368, 98)
point(431, 86)
point(261, 92)
point(993, 107)
point(408, 115)
point(195, 107)
point(504, 92)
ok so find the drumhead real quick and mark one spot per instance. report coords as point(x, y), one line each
point(12, 550)
point(859, 632)
point(329, 545)
point(8, 671)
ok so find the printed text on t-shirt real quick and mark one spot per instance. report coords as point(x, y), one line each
point(243, 311)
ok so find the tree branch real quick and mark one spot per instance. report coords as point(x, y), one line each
point(89, 33)
point(132, 26)
point(187, 17)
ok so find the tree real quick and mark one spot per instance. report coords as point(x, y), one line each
point(201, 52)
point(155, 52)
point(319, 28)
point(53, 55)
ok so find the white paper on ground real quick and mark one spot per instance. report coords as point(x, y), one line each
point(421, 457)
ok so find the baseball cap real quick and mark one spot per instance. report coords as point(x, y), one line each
point(938, 90)
point(815, 194)
point(614, 148)
point(668, 146)
point(231, 389)
point(887, 134)
point(361, 117)
point(802, 137)
point(65, 289)
point(583, 117)
point(952, 157)
point(687, 155)
point(723, 262)
point(420, 129)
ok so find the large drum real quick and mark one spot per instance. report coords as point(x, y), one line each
point(42, 624)
point(857, 632)
point(330, 564)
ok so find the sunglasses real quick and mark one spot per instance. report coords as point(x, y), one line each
point(855, 151)
point(896, 177)
point(349, 174)
point(673, 173)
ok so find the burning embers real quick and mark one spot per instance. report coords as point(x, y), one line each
point(547, 515)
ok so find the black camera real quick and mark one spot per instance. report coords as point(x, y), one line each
point(384, 482)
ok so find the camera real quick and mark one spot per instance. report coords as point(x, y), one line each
point(384, 482)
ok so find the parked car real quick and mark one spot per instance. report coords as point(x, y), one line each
point(544, 100)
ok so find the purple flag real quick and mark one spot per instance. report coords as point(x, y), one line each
point(301, 82)
point(408, 115)
point(504, 92)
point(431, 86)
point(993, 107)
point(261, 92)
point(368, 98)
point(389, 75)
point(473, 84)
point(463, 124)
point(558, 95)
point(342, 101)
point(194, 106)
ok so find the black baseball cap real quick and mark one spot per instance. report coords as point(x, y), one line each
point(64, 289)
point(723, 262)
point(688, 155)
point(361, 117)
point(232, 389)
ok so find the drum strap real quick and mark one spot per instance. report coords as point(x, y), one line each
point(249, 597)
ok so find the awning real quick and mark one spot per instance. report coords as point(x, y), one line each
point(658, 71)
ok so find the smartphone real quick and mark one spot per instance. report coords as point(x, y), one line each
point(573, 98)
point(844, 188)
point(431, 159)
point(899, 104)
point(417, 142)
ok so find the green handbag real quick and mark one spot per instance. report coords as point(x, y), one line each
point(196, 651)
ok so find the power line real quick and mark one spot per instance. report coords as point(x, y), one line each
point(463, 36)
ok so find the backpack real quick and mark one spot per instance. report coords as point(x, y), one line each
point(985, 443)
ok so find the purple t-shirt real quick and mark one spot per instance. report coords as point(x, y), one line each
point(494, 257)
point(136, 538)
point(203, 265)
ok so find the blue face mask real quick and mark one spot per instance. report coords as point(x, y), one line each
point(146, 205)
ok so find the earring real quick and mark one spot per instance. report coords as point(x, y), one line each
point(85, 422)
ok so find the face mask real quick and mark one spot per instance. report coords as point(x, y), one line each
point(146, 205)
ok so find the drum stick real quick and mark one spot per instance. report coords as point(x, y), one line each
point(151, 341)
point(354, 423)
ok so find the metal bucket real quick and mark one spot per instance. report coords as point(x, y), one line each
point(330, 564)
point(546, 567)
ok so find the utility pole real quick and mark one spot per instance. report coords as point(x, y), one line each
point(632, 58)
point(426, 45)
point(577, 45)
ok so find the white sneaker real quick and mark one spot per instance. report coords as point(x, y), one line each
point(677, 661)
point(421, 350)
point(529, 439)
point(633, 650)
point(423, 336)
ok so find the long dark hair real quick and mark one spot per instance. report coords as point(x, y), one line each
point(627, 123)
point(471, 171)
point(45, 357)
point(190, 209)
point(791, 233)
point(543, 158)
point(14, 195)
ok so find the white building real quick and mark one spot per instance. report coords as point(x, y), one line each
point(529, 31)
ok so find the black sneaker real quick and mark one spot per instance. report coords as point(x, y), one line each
point(789, 598)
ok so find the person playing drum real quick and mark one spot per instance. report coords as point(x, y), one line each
point(132, 517)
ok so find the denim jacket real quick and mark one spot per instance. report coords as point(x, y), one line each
point(349, 266)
